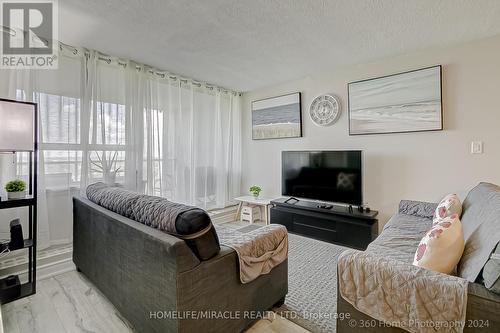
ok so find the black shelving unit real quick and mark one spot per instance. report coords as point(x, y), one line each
point(30, 202)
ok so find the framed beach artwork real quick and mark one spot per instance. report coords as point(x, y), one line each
point(405, 102)
point(277, 117)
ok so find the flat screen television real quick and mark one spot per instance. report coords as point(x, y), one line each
point(333, 176)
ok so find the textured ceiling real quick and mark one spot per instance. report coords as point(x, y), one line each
point(248, 44)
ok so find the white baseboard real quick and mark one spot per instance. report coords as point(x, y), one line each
point(50, 262)
point(223, 216)
point(49, 269)
point(225, 219)
point(62, 241)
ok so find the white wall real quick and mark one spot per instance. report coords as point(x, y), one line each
point(422, 166)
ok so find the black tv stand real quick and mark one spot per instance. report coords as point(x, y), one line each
point(337, 224)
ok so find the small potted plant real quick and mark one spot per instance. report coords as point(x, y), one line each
point(16, 189)
point(255, 190)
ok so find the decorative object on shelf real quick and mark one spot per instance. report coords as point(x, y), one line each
point(277, 117)
point(16, 189)
point(107, 166)
point(405, 102)
point(19, 133)
point(325, 110)
point(16, 235)
point(255, 190)
point(11, 287)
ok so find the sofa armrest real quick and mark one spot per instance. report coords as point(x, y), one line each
point(417, 208)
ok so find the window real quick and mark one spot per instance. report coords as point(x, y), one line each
point(61, 141)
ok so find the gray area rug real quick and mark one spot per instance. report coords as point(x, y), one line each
point(312, 284)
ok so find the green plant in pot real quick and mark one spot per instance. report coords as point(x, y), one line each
point(255, 190)
point(16, 189)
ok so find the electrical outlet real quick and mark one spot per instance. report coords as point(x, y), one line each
point(476, 147)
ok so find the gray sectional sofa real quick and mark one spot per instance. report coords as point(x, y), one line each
point(401, 236)
point(159, 284)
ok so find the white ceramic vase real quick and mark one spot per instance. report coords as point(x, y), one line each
point(16, 195)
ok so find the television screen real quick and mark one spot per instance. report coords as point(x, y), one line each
point(333, 176)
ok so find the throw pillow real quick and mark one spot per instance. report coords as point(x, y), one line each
point(491, 272)
point(442, 246)
point(448, 206)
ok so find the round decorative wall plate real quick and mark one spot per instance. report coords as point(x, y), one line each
point(324, 110)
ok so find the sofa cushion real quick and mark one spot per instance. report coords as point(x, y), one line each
point(447, 207)
point(189, 223)
point(442, 246)
point(115, 199)
point(417, 208)
point(163, 214)
point(400, 237)
point(481, 225)
point(491, 272)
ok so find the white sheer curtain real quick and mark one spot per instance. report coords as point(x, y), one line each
point(57, 96)
point(22, 86)
point(108, 119)
point(191, 146)
point(103, 121)
point(173, 137)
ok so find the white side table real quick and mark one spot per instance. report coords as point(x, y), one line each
point(251, 200)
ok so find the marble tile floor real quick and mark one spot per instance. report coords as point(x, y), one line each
point(68, 303)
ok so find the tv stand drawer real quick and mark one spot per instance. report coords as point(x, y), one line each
point(315, 232)
point(318, 222)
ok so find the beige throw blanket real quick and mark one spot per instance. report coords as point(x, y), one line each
point(259, 251)
point(402, 295)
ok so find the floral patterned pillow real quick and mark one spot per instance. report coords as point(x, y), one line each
point(442, 246)
point(448, 206)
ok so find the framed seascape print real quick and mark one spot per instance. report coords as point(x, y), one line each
point(277, 117)
point(405, 102)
